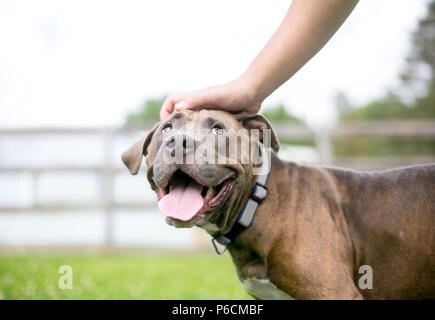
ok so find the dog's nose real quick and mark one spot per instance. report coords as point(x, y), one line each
point(180, 140)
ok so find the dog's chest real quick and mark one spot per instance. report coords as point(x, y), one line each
point(264, 289)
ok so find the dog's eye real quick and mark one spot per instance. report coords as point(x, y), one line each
point(217, 129)
point(167, 128)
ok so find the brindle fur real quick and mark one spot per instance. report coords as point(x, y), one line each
point(319, 225)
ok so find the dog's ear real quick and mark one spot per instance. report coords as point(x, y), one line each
point(132, 157)
point(257, 121)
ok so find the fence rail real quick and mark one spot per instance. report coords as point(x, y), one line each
point(322, 139)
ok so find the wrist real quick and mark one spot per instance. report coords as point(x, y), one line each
point(251, 88)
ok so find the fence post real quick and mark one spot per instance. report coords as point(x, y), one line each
point(107, 188)
point(34, 189)
point(322, 139)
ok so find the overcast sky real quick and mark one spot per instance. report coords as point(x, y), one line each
point(81, 63)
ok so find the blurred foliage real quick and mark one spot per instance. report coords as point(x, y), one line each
point(391, 107)
point(422, 54)
point(173, 276)
point(419, 72)
point(383, 147)
point(148, 113)
point(279, 114)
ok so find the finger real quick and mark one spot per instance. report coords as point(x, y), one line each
point(193, 102)
point(167, 107)
point(164, 113)
point(182, 105)
point(188, 102)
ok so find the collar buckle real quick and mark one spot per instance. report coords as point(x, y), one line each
point(259, 194)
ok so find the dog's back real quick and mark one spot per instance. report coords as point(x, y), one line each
point(391, 216)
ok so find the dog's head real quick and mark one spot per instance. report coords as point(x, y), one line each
point(201, 164)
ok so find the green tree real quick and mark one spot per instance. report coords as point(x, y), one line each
point(422, 54)
point(419, 71)
point(418, 77)
point(420, 67)
point(385, 108)
point(148, 113)
point(280, 114)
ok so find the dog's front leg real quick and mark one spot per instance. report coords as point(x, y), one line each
point(316, 286)
point(305, 276)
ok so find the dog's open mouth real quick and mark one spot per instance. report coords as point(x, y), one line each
point(184, 198)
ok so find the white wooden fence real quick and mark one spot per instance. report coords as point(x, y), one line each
point(108, 170)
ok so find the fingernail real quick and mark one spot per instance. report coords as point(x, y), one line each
point(180, 105)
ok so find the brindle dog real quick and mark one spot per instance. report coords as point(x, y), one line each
point(317, 227)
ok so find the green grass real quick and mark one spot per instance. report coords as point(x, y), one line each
point(35, 276)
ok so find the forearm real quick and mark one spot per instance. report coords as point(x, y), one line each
point(306, 28)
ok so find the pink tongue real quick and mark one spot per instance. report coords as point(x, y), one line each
point(183, 202)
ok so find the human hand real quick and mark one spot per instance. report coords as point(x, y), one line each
point(232, 96)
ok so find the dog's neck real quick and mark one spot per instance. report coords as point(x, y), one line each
point(250, 249)
point(242, 209)
point(263, 216)
point(256, 243)
point(257, 193)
